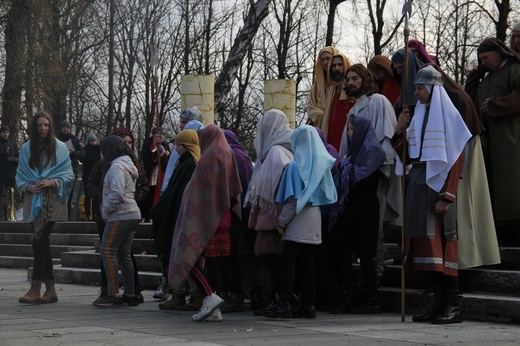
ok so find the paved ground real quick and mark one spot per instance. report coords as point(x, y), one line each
point(74, 321)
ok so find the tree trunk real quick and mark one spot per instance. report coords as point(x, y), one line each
point(110, 115)
point(504, 8)
point(14, 65)
point(257, 13)
point(333, 4)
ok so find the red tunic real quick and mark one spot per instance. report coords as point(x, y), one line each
point(338, 118)
point(391, 90)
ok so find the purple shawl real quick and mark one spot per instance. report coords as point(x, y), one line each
point(244, 163)
point(365, 155)
point(422, 54)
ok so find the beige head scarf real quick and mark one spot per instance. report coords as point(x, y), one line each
point(317, 95)
point(190, 140)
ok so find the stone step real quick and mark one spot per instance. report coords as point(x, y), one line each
point(55, 239)
point(18, 262)
point(470, 280)
point(144, 230)
point(25, 250)
point(91, 259)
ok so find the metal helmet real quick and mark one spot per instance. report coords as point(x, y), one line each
point(428, 75)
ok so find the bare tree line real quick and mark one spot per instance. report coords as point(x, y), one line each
point(90, 61)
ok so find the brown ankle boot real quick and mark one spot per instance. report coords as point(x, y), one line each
point(33, 295)
point(195, 301)
point(50, 293)
point(178, 302)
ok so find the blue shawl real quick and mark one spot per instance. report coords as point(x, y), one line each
point(62, 170)
point(308, 178)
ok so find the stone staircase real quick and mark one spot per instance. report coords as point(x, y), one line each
point(75, 252)
point(491, 293)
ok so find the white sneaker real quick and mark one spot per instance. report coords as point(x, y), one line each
point(161, 292)
point(209, 304)
point(215, 316)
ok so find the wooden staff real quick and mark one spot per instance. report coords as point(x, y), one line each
point(407, 12)
point(155, 67)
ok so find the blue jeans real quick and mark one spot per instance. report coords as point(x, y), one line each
point(115, 251)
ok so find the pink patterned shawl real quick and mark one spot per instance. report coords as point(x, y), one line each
point(213, 189)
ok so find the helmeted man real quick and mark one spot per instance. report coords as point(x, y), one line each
point(436, 138)
point(495, 89)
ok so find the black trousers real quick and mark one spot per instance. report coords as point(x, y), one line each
point(42, 269)
point(301, 255)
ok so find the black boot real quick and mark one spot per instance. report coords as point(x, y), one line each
point(370, 306)
point(345, 306)
point(306, 309)
point(269, 306)
point(435, 309)
point(452, 313)
point(288, 304)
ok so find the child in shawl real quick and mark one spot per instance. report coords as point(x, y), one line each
point(121, 214)
point(437, 135)
point(354, 219)
point(45, 179)
point(164, 212)
point(273, 152)
point(306, 184)
point(211, 198)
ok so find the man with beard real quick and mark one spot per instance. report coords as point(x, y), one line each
point(319, 97)
point(335, 113)
point(360, 85)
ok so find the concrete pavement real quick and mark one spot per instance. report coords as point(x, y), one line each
point(74, 321)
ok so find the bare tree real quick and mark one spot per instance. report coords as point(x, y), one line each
point(14, 44)
point(223, 84)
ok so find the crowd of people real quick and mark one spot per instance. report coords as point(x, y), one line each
point(285, 230)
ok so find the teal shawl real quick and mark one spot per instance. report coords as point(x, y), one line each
point(308, 178)
point(62, 170)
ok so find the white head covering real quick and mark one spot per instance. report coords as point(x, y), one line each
point(273, 152)
point(445, 136)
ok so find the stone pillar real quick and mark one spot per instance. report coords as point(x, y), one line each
point(198, 90)
point(281, 94)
